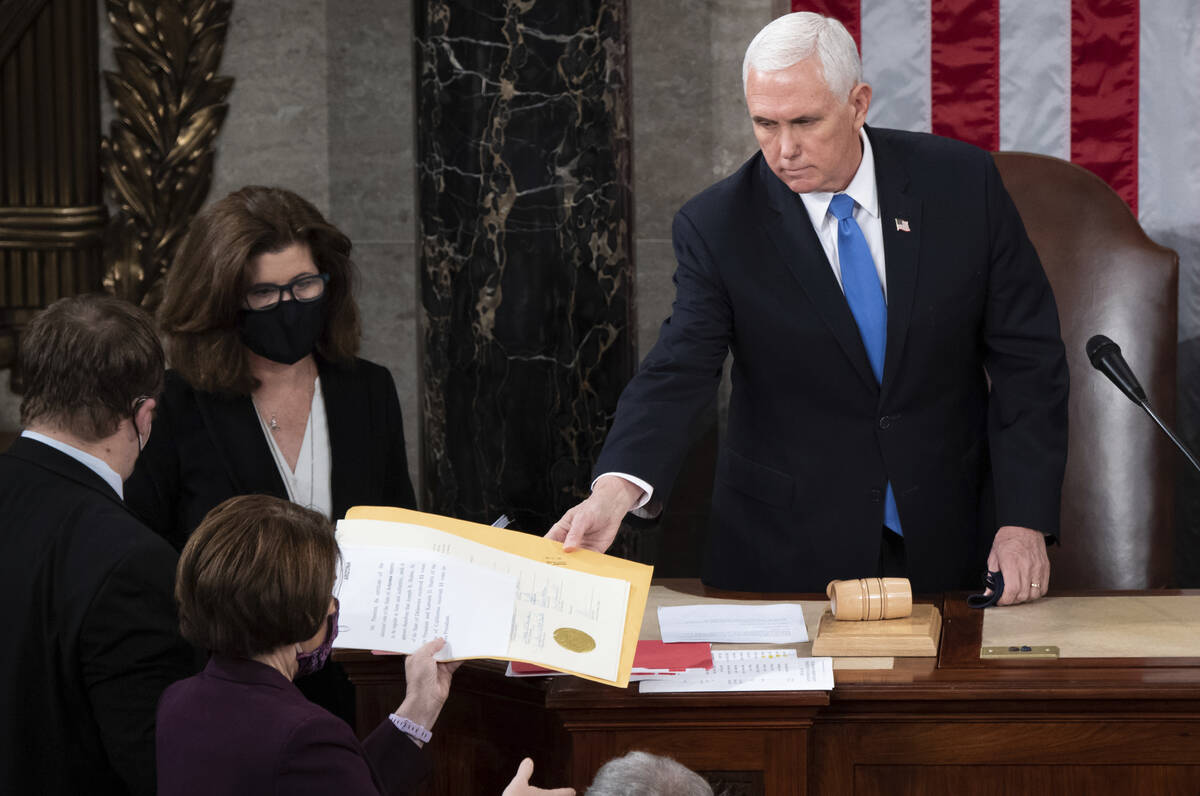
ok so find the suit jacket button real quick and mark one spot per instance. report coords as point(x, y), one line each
point(885, 422)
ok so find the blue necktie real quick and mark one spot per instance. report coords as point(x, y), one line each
point(860, 281)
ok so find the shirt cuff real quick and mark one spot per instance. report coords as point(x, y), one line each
point(640, 509)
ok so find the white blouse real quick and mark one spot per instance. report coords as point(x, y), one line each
point(307, 485)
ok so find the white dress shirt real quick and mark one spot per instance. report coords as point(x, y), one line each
point(93, 463)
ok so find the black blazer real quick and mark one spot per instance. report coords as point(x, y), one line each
point(812, 438)
point(90, 636)
point(240, 727)
point(206, 448)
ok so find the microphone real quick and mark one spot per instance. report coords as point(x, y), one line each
point(1105, 356)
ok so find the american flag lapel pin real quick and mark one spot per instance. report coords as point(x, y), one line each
point(902, 225)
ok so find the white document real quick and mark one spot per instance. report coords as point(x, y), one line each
point(781, 623)
point(560, 618)
point(397, 599)
point(751, 670)
point(754, 656)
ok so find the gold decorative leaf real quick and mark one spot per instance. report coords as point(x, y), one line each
point(130, 103)
point(212, 92)
point(158, 156)
point(127, 33)
point(173, 34)
point(135, 71)
point(201, 129)
point(207, 51)
point(143, 21)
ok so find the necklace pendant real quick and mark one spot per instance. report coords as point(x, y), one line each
point(273, 423)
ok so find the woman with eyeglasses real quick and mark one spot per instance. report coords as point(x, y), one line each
point(265, 393)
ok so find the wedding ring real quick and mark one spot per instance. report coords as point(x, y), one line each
point(1035, 585)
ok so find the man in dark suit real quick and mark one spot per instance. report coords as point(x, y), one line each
point(92, 637)
point(899, 400)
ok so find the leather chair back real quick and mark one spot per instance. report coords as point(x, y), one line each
point(1108, 278)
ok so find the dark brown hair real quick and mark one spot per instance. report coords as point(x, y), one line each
point(256, 575)
point(207, 284)
point(85, 360)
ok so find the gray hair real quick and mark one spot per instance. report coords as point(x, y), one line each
point(791, 38)
point(644, 774)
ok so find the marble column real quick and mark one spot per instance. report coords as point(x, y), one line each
point(524, 241)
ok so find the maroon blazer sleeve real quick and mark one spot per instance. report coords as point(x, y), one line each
point(322, 756)
point(398, 763)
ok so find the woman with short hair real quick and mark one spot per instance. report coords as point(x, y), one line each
point(254, 587)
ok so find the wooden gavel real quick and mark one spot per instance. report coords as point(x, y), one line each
point(870, 598)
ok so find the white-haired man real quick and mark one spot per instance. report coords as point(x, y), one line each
point(647, 774)
point(870, 285)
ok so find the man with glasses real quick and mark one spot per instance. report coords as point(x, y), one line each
point(92, 637)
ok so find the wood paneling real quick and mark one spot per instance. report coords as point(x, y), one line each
point(950, 725)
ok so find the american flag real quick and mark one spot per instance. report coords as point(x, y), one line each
point(1112, 85)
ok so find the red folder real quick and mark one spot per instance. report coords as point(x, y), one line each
point(651, 655)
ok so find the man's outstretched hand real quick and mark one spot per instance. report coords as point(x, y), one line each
point(593, 524)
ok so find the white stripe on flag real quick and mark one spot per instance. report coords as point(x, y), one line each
point(1169, 142)
point(895, 52)
point(1035, 76)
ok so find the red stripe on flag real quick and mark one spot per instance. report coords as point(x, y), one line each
point(848, 12)
point(965, 70)
point(1104, 92)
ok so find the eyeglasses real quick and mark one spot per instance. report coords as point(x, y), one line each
point(266, 295)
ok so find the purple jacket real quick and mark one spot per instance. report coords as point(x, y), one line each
point(242, 727)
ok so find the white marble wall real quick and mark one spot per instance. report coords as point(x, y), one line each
point(277, 130)
point(690, 126)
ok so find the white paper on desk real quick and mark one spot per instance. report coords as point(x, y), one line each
point(736, 656)
point(547, 598)
point(396, 599)
point(650, 674)
point(751, 674)
point(781, 623)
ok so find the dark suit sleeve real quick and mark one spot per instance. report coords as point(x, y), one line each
point(398, 482)
point(130, 651)
point(322, 757)
point(678, 378)
point(1026, 362)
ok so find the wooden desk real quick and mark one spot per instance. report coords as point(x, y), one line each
point(950, 725)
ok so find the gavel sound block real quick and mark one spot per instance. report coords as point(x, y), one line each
point(875, 617)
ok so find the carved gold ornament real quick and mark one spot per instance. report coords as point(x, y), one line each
point(158, 157)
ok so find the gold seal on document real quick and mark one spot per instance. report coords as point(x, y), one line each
point(574, 639)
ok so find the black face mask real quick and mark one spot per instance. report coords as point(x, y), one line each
point(286, 333)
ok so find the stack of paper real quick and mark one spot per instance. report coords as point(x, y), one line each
point(742, 669)
point(782, 623)
point(751, 670)
point(407, 577)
